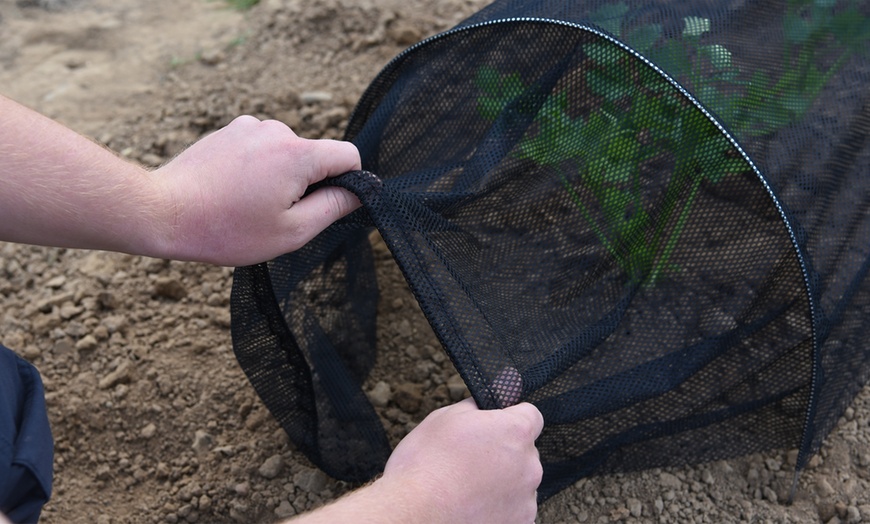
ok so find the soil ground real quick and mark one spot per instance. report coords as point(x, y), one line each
point(153, 419)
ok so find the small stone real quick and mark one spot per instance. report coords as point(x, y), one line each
point(212, 56)
point(97, 264)
point(404, 33)
point(148, 431)
point(773, 464)
point(669, 480)
point(456, 388)
point(380, 395)
point(826, 510)
point(63, 347)
point(189, 492)
point(272, 467)
point(56, 282)
point(69, 310)
point(103, 472)
point(162, 470)
point(635, 508)
point(404, 328)
point(153, 265)
point(408, 397)
point(46, 305)
point(707, 477)
point(221, 317)
point(853, 515)
point(32, 353)
point(239, 512)
point(87, 343)
point(202, 442)
point(114, 323)
point(151, 160)
point(840, 508)
point(315, 97)
point(242, 489)
point(311, 480)
point(285, 510)
point(121, 375)
point(769, 494)
point(224, 451)
point(256, 419)
point(170, 288)
point(823, 488)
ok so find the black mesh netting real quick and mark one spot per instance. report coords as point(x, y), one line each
point(649, 219)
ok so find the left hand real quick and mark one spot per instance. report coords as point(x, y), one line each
point(236, 197)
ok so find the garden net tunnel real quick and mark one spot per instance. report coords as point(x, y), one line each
point(649, 219)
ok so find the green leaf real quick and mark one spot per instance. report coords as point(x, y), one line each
point(487, 79)
point(709, 96)
point(850, 28)
point(500, 91)
point(642, 38)
point(603, 53)
point(719, 56)
point(672, 58)
point(797, 30)
point(613, 203)
point(711, 158)
point(609, 17)
point(695, 26)
point(624, 146)
point(611, 88)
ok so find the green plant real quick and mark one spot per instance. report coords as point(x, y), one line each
point(242, 5)
point(639, 117)
point(819, 39)
point(636, 121)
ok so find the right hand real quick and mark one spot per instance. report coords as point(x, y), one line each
point(471, 465)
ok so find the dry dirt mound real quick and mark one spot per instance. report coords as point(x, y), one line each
point(153, 420)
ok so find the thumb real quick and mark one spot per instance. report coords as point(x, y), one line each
point(318, 210)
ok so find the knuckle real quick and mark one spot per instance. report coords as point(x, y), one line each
point(537, 472)
point(245, 120)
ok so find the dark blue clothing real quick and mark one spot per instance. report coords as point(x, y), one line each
point(26, 446)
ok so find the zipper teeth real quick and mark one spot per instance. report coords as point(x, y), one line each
point(811, 403)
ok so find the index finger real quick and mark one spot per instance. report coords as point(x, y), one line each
point(332, 158)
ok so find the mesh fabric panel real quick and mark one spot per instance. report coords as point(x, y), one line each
point(648, 219)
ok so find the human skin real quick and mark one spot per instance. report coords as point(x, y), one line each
point(460, 464)
point(234, 198)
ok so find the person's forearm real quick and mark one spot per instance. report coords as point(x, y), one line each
point(378, 503)
point(236, 197)
point(59, 188)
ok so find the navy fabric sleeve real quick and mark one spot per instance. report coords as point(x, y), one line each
point(26, 446)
